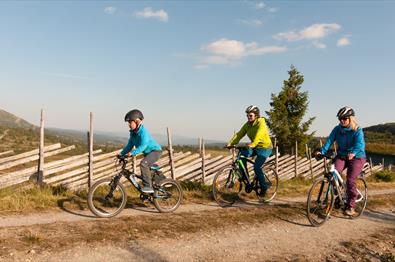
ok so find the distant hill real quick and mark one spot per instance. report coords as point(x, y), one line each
point(388, 128)
point(382, 133)
point(10, 120)
point(19, 135)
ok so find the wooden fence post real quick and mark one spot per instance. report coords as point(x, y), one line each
point(90, 150)
point(276, 161)
point(203, 162)
point(311, 164)
point(296, 158)
point(134, 163)
point(40, 173)
point(325, 164)
point(171, 158)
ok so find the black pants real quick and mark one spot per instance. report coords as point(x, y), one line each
point(145, 165)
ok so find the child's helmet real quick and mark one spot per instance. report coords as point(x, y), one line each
point(133, 115)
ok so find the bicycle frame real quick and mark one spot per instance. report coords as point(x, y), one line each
point(130, 176)
point(239, 164)
point(338, 183)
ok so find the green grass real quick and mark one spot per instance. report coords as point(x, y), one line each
point(22, 200)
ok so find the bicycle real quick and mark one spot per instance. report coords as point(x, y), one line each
point(229, 182)
point(107, 197)
point(329, 192)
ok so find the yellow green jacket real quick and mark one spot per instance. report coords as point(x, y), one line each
point(257, 132)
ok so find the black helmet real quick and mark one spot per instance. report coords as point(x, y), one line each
point(345, 112)
point(252, 109)
point(133, 115)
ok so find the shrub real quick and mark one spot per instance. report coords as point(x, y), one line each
point(385, 176)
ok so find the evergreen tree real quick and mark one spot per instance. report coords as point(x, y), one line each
point(286, 114)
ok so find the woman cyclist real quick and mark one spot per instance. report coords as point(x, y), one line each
point(351, 153)
point(143, 142)
point(260, 146)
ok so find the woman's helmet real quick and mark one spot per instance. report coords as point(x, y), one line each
point(252, 109)
point(133, 115)
point(345, 112)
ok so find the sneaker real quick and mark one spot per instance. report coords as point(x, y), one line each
point(263, 192)
point(147, 190)
point(350, 212)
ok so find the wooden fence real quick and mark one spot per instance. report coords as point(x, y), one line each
point(80, 171)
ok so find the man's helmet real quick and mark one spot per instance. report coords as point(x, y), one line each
point(252, 109)
point(345, 112)
point(133, 115)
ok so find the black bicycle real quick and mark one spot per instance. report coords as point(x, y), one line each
point(107, 197)
point(229, 182)
point(328, 192)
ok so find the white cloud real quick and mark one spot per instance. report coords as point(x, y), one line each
point(273, 9)
point(344, 41)
point(110, 10)
point(315, 31)
point(260, 5)
point(319, 45)
point(252, 22)
point(226, 51)
point(161, 15)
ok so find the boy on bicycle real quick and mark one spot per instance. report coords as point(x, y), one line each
point(260, 146)
point(143, 142)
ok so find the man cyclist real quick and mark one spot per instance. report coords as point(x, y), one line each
point(143, 142)
point(260, 146)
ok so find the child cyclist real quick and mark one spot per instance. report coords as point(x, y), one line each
point(351, 153)
point(260, 146)
point(143, 142)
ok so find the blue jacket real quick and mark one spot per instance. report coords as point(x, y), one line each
point(348, 141)
point(143, 142)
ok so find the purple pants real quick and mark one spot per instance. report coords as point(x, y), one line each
point(354, 168)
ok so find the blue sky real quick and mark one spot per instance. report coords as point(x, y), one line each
point(193, 66)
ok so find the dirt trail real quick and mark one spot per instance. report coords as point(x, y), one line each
point(280, 238)
point(271, 241)
point(66, 215)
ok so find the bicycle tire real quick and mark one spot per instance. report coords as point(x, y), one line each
point(271, 178)
point(318, 210)
point(167, 196)
point(362, 198)
point(100, 205)
point(227, 186)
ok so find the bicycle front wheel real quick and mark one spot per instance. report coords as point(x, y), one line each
point(271, 179)
point(167, 196)
point(362, 198)
point(320, 201)
point(106, 199)
point(227, 186)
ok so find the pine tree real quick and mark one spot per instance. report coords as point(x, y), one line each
point(286, 114)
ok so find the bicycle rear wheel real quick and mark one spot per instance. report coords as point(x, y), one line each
point(106, 199)
point(167, 196)
point(320, 201)
point(227, 185)
point(271, 179)
point(362, 198)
